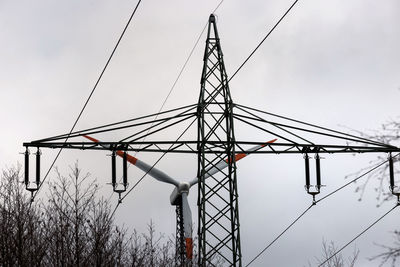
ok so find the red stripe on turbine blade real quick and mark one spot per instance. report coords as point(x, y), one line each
point(239, 156)
point(269, 142)
point(120, 153)
point(189, 248)
point(91, 138)
point(129, 158)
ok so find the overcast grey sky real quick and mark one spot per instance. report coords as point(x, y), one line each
point(330, 62)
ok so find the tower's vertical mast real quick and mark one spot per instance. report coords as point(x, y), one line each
point(219, 238)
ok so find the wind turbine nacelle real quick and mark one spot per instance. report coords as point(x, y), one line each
point(176, 195)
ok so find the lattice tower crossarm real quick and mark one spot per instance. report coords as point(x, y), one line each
point(218, 218)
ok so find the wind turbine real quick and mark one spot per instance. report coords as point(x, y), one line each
point(179, 195)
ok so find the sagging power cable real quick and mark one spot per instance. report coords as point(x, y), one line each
point(355, 179)
point(182, 69)
point(321, 199)
point(262, 41)
point(360, 234)
point(278, 236)
point(89, 97)
point(172, 88)
point(145, 174)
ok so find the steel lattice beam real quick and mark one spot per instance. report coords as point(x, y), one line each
point(215, 147)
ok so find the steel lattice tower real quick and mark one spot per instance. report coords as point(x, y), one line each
point(218, 222)
point(217, 151)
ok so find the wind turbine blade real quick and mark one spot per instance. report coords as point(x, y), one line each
point(187, 225)
point(152, 171)
point(224, 163)
point(94, 140)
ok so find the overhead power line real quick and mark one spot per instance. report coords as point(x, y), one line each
point(144, 175)
point(176, 80)
point(355, 179)
point(321, 199)
point(187, 60)
point(184, 66)
point(90, 95)
point(262, 41)
point(360, 234)
point(209, 142)
point(276, 238)
point(167, 97)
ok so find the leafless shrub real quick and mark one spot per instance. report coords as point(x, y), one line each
point(22, 236)
point(73, 228)
point(335, 259)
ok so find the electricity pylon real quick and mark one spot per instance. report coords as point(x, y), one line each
point(216, 116)
point(218, 229)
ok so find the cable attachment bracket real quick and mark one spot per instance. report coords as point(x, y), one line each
point(392, 185)
point(313, 190)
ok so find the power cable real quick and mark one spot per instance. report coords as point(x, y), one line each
point(360, 234)
point(355, 179)
point(182, 68)
point(186, 61)
point(144, 175)
point(255, 49)
point(87, 100)
point(173, 87)
point(314, 203)
point(276, 238)
point(262, 41)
